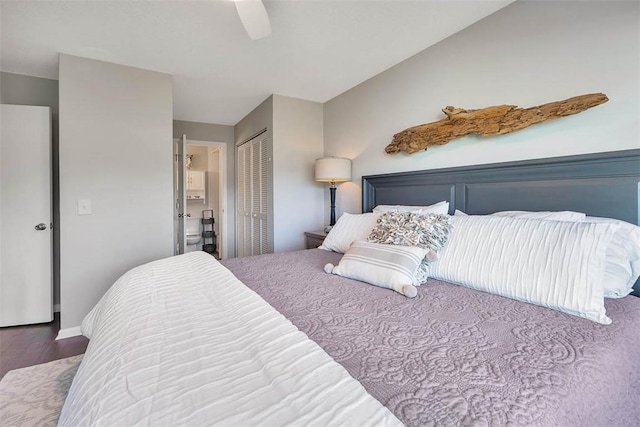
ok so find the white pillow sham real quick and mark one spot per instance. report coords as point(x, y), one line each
point(348, 229)
point(623, 258)
point(441, 208)
point(555, 264)
point(623, 253)
point(544, 215)
point(386, 266)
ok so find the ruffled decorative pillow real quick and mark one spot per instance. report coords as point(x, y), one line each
point(429, 232)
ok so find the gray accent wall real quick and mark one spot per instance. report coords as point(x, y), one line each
point(527, 54)
point(297, 143)
point(26, 90)
point(196, 131)
point(116, 150)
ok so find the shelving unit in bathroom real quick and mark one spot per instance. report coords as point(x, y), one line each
point(208, 234)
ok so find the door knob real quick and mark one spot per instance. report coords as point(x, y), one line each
point(41, 226)
point(180, 215)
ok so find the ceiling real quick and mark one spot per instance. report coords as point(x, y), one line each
point(317, 50)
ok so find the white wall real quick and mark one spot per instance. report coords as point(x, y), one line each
point(527, 54)
point(298, 199)
point(115, 149)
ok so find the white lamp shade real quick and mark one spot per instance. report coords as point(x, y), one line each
point(333, 169)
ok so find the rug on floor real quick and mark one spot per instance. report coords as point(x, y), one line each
point(34, 396)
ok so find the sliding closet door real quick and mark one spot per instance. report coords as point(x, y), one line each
point(254, 193)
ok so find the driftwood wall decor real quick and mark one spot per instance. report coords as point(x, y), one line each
point(496, 120)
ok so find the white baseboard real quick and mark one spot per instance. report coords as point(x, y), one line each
point(68, 333)
point(56, 308)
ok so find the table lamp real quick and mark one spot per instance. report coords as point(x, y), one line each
point(333, 169)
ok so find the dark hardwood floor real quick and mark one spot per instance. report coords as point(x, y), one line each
point(22, 346)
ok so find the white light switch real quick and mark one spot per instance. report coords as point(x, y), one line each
point(84, 207)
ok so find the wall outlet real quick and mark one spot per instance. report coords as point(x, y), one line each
point(84, 207)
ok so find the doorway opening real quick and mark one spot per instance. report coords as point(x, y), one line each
point(203, 195)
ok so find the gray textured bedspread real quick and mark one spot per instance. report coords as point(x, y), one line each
point(456, 356)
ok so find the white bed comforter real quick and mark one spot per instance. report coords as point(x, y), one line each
point(182, 341)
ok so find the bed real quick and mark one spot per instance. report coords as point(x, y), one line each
point(188, 341)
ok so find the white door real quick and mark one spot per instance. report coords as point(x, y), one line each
point(26, 288)
point(180, 194)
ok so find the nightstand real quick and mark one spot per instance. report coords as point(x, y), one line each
point(314, 238)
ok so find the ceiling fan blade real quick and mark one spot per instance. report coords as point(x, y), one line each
point(254, 18)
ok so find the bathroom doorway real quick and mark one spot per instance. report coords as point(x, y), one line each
point(204, 164)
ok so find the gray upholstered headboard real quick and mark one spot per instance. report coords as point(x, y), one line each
point(602, 184)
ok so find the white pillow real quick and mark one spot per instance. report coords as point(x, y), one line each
point(544, 215)
point(387, 266)
point(623, 253)
point(554, 264)
point(441, 208)
point(623, 258)
point(348, 229)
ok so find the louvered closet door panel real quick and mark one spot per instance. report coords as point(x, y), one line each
point(265, 186)
point(239, 200)
point(254, 184)
point(260, 177)
point(244, 196)
point(247, 201)
point(247, 180)
point(256, 168)
point(241, 179)
point(259, 192)
point(241, 235)
point(264, 237)
point(265, 159)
